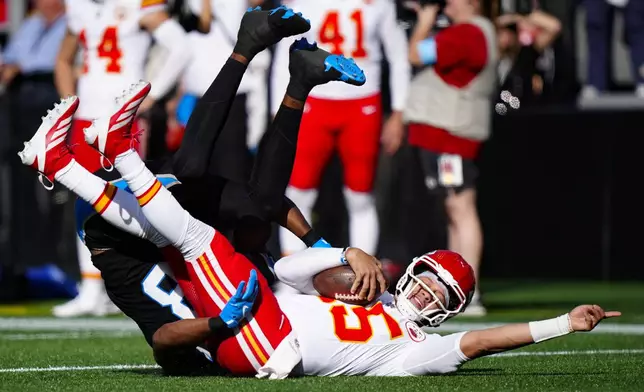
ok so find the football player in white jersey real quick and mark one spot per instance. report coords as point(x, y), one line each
point(115, 37)
point(385, 338)
point(348, 121)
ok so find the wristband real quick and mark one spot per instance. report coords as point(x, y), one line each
point(427, 51)
point(310, 238)
point(343, 257)
point(215, 324)
point(552, 328)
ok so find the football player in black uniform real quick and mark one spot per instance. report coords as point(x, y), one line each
point(135, 279)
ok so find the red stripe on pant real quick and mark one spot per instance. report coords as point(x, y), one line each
point(215, 279)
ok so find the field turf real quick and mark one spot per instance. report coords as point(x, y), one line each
point(38, 353)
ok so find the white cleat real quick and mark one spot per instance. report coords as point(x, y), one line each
point(92, 301)
point(111, 135)
point(47, 151)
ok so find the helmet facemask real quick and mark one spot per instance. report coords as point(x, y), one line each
point(435, 312)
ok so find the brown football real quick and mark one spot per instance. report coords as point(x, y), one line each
point(336, 283)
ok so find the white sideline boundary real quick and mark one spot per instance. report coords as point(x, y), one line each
point(130, 367)
point(76, 368)
point(68, 335)
point(20, 324)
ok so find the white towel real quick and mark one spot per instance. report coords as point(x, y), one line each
point(285, 357)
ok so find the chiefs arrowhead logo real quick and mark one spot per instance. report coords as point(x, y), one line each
point(415, 333)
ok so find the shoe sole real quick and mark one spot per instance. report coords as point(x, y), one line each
point(63, 110)
point(349, 71)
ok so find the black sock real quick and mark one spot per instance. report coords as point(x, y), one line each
point(298, 89)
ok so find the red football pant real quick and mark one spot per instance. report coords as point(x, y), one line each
point(215, 276)
point(84, 154)
point(350, 126)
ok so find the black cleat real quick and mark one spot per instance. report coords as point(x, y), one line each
point(314, 66)
point(261, 29)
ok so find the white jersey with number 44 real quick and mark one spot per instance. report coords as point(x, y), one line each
point(339, 339)
point(359, 29)
point(114, 48)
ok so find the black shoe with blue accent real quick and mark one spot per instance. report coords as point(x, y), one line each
point(311, 66)
point(260, 29)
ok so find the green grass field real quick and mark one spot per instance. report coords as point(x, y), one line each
point(38, 353)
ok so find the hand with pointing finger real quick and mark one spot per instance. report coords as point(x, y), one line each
point(586, 317)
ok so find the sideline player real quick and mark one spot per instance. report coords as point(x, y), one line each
point(213, 265)
point(385, 338)
point(349, 121)
point(115, 37)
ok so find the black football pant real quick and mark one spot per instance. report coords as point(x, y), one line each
point(208, 148)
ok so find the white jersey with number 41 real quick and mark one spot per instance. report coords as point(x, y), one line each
point(114, 48)
point(339, 339)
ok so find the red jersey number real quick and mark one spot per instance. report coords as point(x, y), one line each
point(107, 49)
point(331, 34)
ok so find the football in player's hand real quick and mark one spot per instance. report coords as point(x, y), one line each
point(336, 283)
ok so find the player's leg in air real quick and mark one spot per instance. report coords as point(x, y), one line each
point(48, 153)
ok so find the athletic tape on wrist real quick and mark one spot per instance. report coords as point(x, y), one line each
point(551, 328)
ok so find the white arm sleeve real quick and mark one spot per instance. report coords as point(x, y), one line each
point(436, 355)
point(171, 36)
point(298, 269)
point(394, 42)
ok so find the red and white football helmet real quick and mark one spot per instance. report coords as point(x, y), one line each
point(452, 271)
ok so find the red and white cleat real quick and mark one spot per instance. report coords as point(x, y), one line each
point(112, 135)
point(47, 151)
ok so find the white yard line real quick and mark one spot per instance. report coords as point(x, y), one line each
point(68, 335)
point(129, 367)
point(77, 368)
point(580, 352)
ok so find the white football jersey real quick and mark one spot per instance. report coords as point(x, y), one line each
point(211, 51)
point(356, 29)
point(339, 339)
point(115, 49)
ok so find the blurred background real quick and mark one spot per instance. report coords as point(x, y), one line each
point(557, 179)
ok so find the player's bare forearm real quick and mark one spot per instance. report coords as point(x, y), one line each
point(292, 219)
point(185, 333)
point(475, 344)
point(205, 17)
point(64, 69)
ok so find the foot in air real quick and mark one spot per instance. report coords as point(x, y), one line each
point(260, 29)
point(313, 66)
point(47, 151)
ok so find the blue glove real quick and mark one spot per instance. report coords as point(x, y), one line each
point(241, 303)
point(321, 243)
